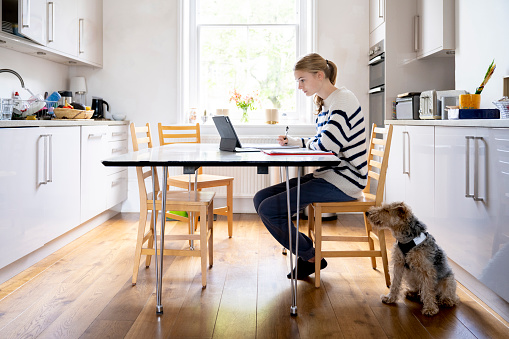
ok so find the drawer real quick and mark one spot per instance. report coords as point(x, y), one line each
point(116, 133)
point(115, 148)
point(117, 188)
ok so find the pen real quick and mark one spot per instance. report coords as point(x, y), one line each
point(286, 134)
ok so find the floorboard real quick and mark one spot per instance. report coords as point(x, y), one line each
point(84, 290)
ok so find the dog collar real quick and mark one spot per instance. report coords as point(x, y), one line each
point(406, 247)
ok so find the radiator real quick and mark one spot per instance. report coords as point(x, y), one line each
point(247, 182)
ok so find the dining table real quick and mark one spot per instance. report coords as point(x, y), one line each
point(190, 157)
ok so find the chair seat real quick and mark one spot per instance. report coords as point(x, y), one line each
point(362, 204)
point(203, 181)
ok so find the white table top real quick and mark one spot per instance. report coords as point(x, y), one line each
point(210, 155)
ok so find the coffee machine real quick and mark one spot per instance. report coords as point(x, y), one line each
point(98, 107)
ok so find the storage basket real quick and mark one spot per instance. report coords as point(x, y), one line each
point(503, 107)
point(67, 113)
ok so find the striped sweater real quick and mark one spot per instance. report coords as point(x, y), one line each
point(340, 128)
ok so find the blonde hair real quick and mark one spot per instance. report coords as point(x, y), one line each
point(313, 63)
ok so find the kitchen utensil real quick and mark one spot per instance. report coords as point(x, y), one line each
point(65, 96)
point(118, 117)
point(98, 107)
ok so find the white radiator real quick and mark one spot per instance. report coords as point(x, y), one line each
point(247, 182)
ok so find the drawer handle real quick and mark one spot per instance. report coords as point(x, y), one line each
point(117, 134)
point(99, 135)
point(117, 150)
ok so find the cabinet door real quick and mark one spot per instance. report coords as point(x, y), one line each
point(32, 20)
point(462, 224)
point(436, 26)
point(90, 28)
point(419, 170)
point(395, 180)
point(94, 148)
point(495, 273)
point(62, 194)
point(62, 26)
point(21, 212)
point(376, 14)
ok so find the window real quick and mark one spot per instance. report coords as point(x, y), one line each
point(244, 45)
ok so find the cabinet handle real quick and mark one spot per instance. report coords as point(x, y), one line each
point(380, 8)
point(99, 135)
point(50, 158)
point(405, 151)
point(416, 33)
point(51, 21)
point(117, 150)
point(81, 23)
point(45, 137)
point(467, 167)
point(117, 134)
point(25, 13)
point(476, 171)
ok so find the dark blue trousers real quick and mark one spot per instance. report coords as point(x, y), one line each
point(270, 204)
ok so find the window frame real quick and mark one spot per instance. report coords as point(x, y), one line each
point(189, 35)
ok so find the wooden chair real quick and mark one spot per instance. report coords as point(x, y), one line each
point(191, 134)
point(201, 202)
point(367, 201)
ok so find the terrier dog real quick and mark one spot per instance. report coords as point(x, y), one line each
point(417, 258)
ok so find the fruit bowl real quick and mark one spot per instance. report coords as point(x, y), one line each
point(67, 113)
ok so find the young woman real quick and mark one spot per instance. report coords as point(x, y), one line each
point(340, 129)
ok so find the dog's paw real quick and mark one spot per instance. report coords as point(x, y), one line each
point(388, 299)
point(448, 302)
point(430, 310)
point(413, 296)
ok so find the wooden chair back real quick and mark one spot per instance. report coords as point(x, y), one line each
point(178, 134)
point(143, 172)
point(378, 159)
point(175, 134)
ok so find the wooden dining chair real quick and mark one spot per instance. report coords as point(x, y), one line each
point(201, 202)
point(191, 134)
point(377, 170)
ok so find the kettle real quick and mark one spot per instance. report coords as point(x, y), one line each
point(98, 107)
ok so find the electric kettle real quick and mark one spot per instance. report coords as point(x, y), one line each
point(98, 107)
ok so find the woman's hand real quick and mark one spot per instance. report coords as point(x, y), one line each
point(282, 140)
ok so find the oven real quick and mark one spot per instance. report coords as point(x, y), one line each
point(377, 84)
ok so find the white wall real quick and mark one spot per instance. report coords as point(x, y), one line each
point(38, 74)
point(481, 36)
point(343, 37)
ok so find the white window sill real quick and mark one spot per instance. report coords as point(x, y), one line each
point(254, 129)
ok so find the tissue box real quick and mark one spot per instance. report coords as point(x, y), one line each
point(458, 113)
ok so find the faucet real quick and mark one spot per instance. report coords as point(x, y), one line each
point(6, 70)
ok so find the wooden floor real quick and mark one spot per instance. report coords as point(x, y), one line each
point(84, 291)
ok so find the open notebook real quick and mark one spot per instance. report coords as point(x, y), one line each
point(230, 141)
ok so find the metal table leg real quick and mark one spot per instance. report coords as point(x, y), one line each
point(293, 280)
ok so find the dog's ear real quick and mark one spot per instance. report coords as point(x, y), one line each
point(401, 211)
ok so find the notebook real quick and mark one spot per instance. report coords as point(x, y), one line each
point(230, 141)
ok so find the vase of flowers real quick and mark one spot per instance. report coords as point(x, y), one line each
point(245, 103)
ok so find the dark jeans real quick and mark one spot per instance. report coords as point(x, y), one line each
point(270, 204)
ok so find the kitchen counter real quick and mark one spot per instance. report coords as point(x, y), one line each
point(500, 123)
point(55, 123)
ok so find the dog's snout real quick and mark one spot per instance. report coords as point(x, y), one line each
point(366, 213)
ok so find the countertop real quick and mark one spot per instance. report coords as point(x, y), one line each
point(491, 123)
point(55, 123)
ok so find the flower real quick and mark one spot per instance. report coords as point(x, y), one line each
point(246, 102)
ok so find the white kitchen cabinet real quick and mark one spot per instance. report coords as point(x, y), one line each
point(376, 14)
point(90, 31)
point(32, 20)
point(62, 28)
point(471, 199)
point(39, 176)
point(101, 187)
point(410, 171)
point(434, 27)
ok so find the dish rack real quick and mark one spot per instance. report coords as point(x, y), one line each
point(24, 108)
point(503, 107)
